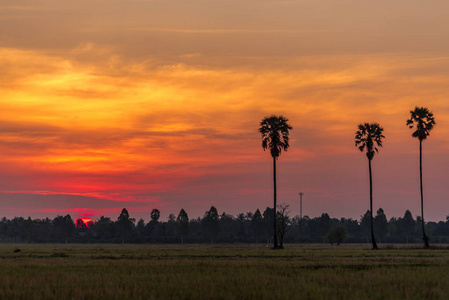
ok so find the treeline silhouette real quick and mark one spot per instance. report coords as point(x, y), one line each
point(213, 227)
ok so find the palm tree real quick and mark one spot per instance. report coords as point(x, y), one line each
point(367, 138)
point(423, 120)
point(274, 131)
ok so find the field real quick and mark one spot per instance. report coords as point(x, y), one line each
point(222, 272)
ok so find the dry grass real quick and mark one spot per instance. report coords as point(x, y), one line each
point(222, 272)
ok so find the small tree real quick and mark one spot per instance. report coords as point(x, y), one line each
point(257, 227)
point(323, 225)
point(182, 224)
point(155, 215)
point(407, 225)
point(125, 224)
point(381, 224)
point(268, 223)
point(336, 235)
point(283, 221)
point(210, 223)
point(65, 226)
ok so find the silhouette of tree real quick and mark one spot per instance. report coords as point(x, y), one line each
point(81, 225)
point(154, 225)
point(257, 228)
point(170, 227)
point(182, 224)
point(365, 224)
point(125, 224)
point(104, 228)
point(268, 223)
point(368, 138)
point(65, 226)
point(155, 215)
point(141, 229)
point(381, 224)
point(323, 225)
point(336, 235)
point(421, 119)
point(275, 136)
point(229, 228)
point(283, 222)
point(407, 224)
point(210, 223)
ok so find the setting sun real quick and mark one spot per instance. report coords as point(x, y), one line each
point(83, 222)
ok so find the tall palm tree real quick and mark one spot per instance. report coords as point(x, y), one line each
point(423, 120)
point(368, 138)
point(274, 131)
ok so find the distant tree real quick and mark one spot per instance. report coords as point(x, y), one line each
point(29, 227)
point(368, 138)
point(393, 229)
point(244, 225)
point(421, 119)
point(104, 228)
point(155, 215)
point(275, 136)
point(268, 223)
point(336, 235)
point(64, 226)
point(257, 227)
point(381, 224)
point(365, 223)
point(83, 230)
point(154, 225)
point(323, 225)
point(283, 221)
point(352, 228)
point(230, 228)
point(408, 225)
point(210, 223)
point(15, 229)
point(182, 224)
point(170, 227)
point(141, 229)
point(125, 224)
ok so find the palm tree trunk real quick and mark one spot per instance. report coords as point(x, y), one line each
point(424, 236)
point(371, 205)
point(275, 238)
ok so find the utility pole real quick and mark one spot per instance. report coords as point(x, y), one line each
point(300, 204)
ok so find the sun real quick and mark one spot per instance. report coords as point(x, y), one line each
point(83, 222)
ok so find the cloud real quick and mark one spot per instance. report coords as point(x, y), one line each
point(94, 121)
point(215, 31)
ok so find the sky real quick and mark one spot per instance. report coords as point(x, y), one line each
point(143, 104)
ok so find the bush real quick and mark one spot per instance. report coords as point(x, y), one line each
point(336, 235)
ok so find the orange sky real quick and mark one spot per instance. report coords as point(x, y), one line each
point(156, 104)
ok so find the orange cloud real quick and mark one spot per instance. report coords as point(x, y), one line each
point(124, 130)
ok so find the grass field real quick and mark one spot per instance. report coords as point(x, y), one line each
point(222, 272)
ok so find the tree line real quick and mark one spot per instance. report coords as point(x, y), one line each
point(215, 227)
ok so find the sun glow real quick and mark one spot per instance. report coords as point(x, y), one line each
point(83, 222)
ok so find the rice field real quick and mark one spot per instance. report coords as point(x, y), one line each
point(222, 272)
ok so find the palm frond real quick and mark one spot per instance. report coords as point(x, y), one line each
point(422, 120)
point(368, 137)
point(274, 131)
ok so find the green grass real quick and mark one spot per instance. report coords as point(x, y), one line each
point(222, 272)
